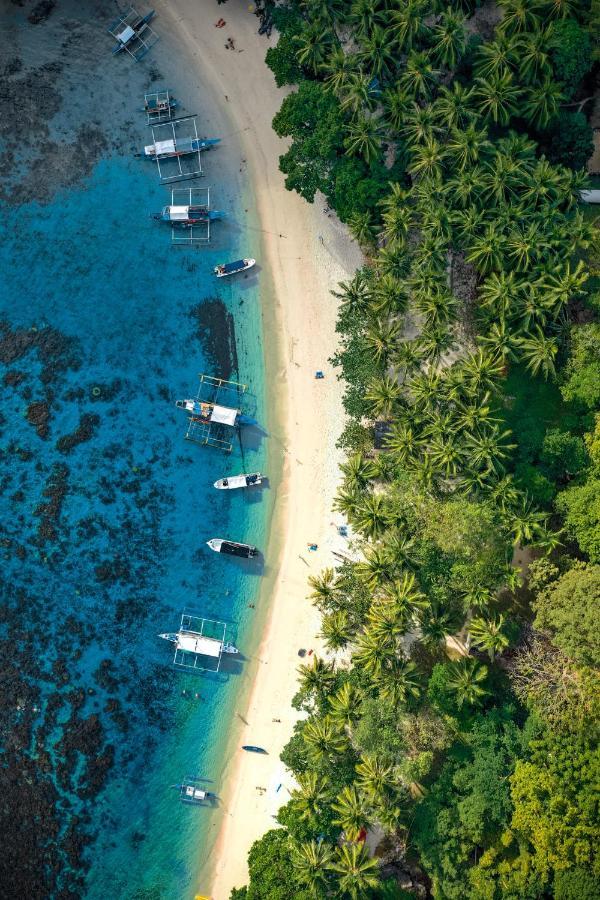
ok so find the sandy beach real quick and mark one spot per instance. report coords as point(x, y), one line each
point(305, 254)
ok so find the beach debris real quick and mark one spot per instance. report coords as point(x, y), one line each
point(312, 547)
point(319, 374)
point(132, 32)
point(221, 23)
point(302, 652)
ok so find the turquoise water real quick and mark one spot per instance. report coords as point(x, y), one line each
point(137, 504)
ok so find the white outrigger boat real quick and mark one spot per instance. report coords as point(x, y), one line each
point(197, 643)
point(178, 147)
point(232, 268)
point(238, 481)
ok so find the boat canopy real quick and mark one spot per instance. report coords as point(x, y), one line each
point(196, 643)
point(126, 35)
point(590, 196)
point(233, 266)
point(162, 147)
point(223, 415)
point(178, 213)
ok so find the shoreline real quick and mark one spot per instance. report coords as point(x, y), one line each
point(306, 417)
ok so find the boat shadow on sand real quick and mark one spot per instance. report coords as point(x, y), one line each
point(255, 566)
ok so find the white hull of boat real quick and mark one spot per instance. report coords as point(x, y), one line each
point(238, 481)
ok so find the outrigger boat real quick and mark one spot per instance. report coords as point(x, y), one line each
point(232, 548)
point(132, 33)
point(189, 792)
point(187, 216)
point(204, 411)
point(232, 268)
point(158, 106)
point(199, 642)
point(238, 481)
point(173, 147)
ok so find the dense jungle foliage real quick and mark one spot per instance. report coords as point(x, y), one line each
point(454, 716)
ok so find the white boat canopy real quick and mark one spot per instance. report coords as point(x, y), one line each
point(178, 213)
point(590, 196)
point(223, 415)
point(196, 643)
point(126, 35)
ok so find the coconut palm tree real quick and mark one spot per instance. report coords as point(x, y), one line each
point(505, 494)
point(425, 389)
point(561, 284)
point(356, 872)
point(371, 648)
point(499, 292)
point(538, 351)
point(419, 77)
point(436, 622)
point(377, 53)
point(489, 634)
point(534, 56)
point(420, 124)
point(371, 516)
point(400, 547)
point(316, 677)
point(345, 704)
point(324, 588)
point(542, 102)
point(498, 97)
point(339, 68)
point(467, 146)
point(388, 296)
point(480, 372)
point(435, 341)
point(519, 16)
point(364, 16)
point(403, 442)
point(382, 337)
point(406, 23)
point(486, 249)
point(473, 414)
point(364, 138)
point(447, 455)
point(313, 46)
point(477, 596)
point(488, 449)
point(449, 38)
point(382, 396)
point(310, 795)
point(336, 630)
point(345, 502)
point(353, 810)
point(404, 593)
point(375, 779)
point(428, 158)
point(354, 294)
point(454, 106)
point(496, 58)
point(466, 681)
point(399, 681)
point(311, 861)
point(362, 229)
point(560, 9)
point(377, 565)
point(356, 95)
point(396, 103)
point(526, 523)
point(323, 739)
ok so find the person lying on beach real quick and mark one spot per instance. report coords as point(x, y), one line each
point(221, 23)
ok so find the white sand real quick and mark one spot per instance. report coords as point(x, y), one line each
point(298, 272)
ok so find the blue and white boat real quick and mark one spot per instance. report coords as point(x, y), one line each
point(188, 216)
point(212, 412)
point(232, 268)
point(173, 147)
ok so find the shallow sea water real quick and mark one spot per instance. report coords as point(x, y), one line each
point(128, 554)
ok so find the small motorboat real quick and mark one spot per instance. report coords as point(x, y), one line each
point(238, 481)
point(232, 268)
point(232, 548)
point(250, 748)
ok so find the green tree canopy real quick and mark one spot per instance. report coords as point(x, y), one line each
point(569, 608)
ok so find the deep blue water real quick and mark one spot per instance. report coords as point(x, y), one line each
point(128, 553)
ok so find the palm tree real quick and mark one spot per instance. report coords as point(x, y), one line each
point(364, 15)
point(345, 502)
point(435, 341)
point(487, 449)
point(447, 455)
point(560, 9)
point(526, 523)
point(389, 297)
point(466, 187)
point(356, 95)
point(404, 594)
point(316, 677)
point(436, 623)
point(454, 105)
point(490, 634)
point(472, 414)
point(403, 442)
point(562, 285)
point(358, 472)
point(311, 861)
point(364, 138)
point(339, 68)
point(428, 158)
point(467, 145)
point(377, 566)
point(310, 795)
point(425, 389)
point(354, 295)
point(382, 337)
point(505, 494)
point(357, 873)
point(496, 58)
point(335, 630)
point(407, 22)
point(542, 102)
point(323, 739)
point(498, 292)
point(420, 124)
point(534, 56)
point(324, 588)
point(498, 97)
point(382, 396)
point(345, 704)
point(419, 77)
point(371, 649)
point(362, 228)
point(375, 779)
point(352, 810)
point(377, 53)
point(399, 681)
point(396, 102)
point(466, 681)
point(481, 371)
point(486, 248)
point(519, 16)
point(401, 548)
point(449, 38)
point(371, 516)
point(539, 351)
point(313, 46)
